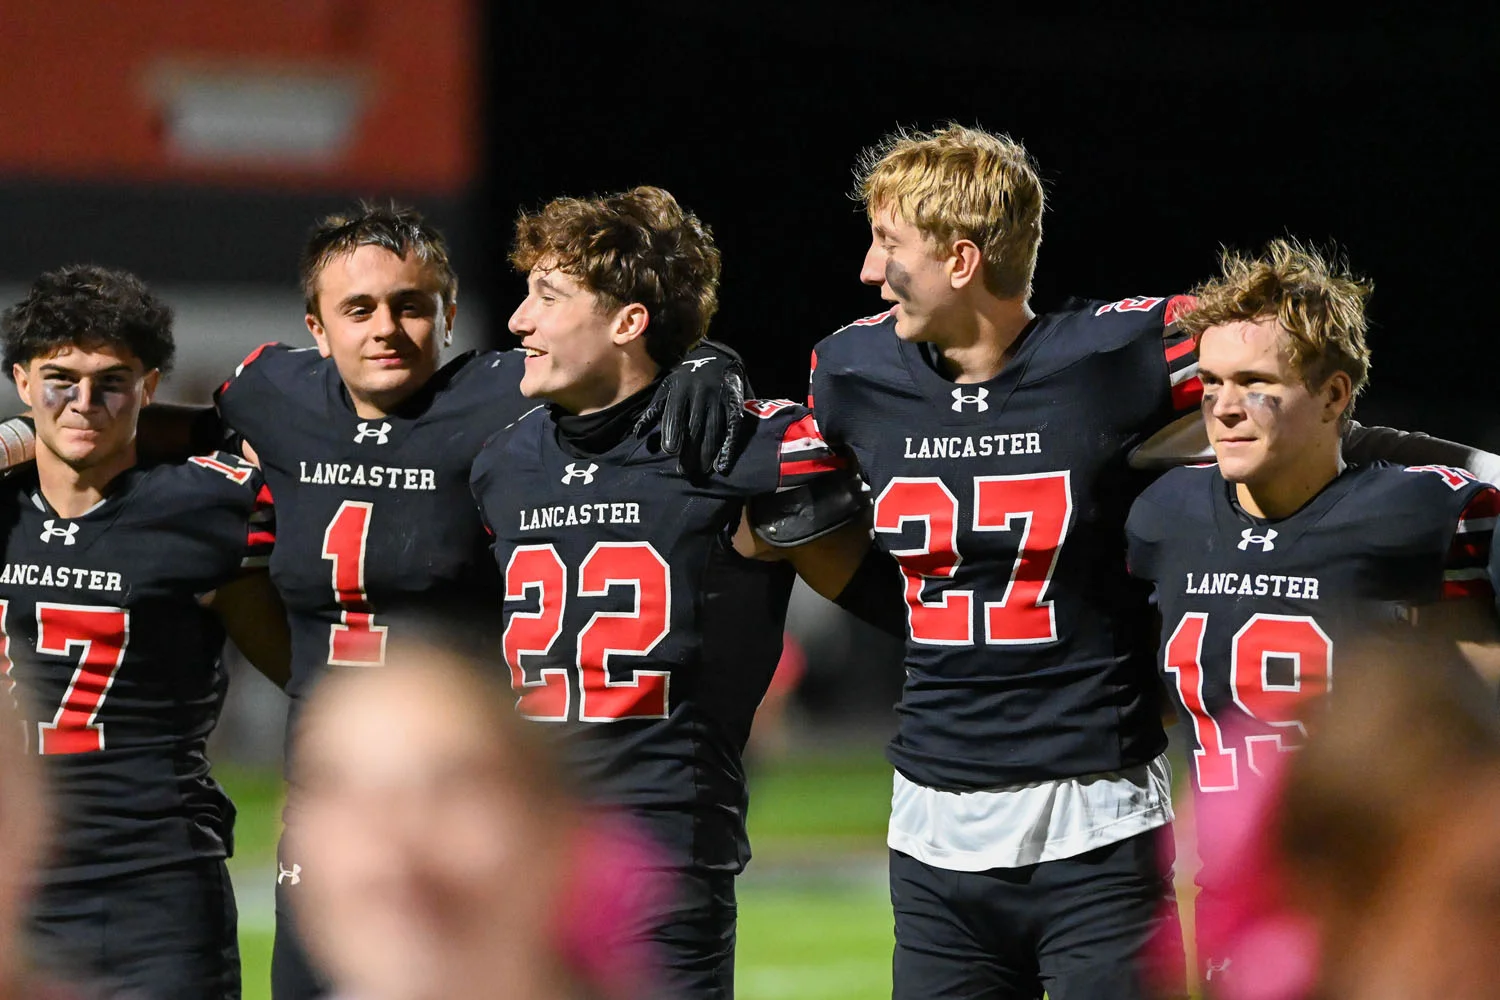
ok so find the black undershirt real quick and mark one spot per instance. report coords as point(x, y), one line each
point(595, 433)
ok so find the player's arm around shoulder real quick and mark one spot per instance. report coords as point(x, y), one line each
point(1467, 614)
point(805, 503)
point(248, 603)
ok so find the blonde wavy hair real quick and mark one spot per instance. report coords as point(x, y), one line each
point(1317, 302)
point(961, 183)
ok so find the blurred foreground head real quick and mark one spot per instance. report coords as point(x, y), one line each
point(1391, 833)
point(22, 837)
point(433, 834)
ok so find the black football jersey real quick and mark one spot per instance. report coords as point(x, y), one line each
point(378, 537)
point(1028, 654)
point(114, 662)
point(1254, 612)
point(633, 627)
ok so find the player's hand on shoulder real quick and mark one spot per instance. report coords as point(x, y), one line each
point(700, 404)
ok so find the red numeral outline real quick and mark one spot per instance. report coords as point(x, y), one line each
point(532, 633)
point(1264, 636)
point(544, 695)
point(356, 641)
point(948, 621)
point(103, 633)
point(239, 474)
point(1045, 503)
point(1042, 504)
point(626, 633)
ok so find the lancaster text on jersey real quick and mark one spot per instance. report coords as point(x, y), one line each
point(974, 445)
point(571, 515)
point(390, 477)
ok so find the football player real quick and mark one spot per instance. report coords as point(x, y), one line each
point(366, 439)
point(1031, 780)
point(1270, 565)
point(117, 584)
point(632, 626)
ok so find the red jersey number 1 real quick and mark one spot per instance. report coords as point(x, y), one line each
point(356, 641)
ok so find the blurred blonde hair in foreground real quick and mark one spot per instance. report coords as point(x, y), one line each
point(1390, 831)
point(441, 852)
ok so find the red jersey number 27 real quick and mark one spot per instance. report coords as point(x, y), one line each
point(1037, 509)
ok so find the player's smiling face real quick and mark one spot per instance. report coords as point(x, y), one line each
point(909, 271)
point(573, 339)
point(1263, 420)
point(86, 400)
point(381, 319)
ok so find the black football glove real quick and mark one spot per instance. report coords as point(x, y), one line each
point(701, 405)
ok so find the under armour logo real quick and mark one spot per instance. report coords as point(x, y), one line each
point(50, 529)
point(288, 876)
point(977, 398)
point(381, 434)
point(695, 363)
point(1211, 966)
point(1267, 542)
point(574, 472)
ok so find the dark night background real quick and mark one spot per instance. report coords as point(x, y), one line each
point(1159, 139)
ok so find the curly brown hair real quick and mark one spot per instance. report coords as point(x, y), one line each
point(636, 246)
point(1318, 303)
point(85, 305)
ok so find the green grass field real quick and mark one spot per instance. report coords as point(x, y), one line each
point(815, 919)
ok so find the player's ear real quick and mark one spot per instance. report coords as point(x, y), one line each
point(630, 324)
point(22, 378)
point(965, 263)
point(320, 335)
point(449, 313)
point(1338, 393)
point(148, 386)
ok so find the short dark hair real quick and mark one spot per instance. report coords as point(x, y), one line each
point(397, 228)
point(635, 246)
point(85, 305)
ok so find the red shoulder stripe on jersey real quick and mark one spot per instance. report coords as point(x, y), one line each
point(811, 368)
point(874, 320)
point(249, 358)
point(1177, 307)
point(1475, 532)
point(803, 452)
point(810, 467)
point(1460, 584)
point(1186, 395)
point(1180, 349)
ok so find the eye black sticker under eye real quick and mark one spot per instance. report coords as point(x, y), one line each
point(55, 397)
point(1263, 404)
point(898, 277)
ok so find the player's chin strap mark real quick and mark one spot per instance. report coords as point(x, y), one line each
point(975, 399)
point(1248, 537)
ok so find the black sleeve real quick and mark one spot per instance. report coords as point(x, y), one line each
point(875, 594)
